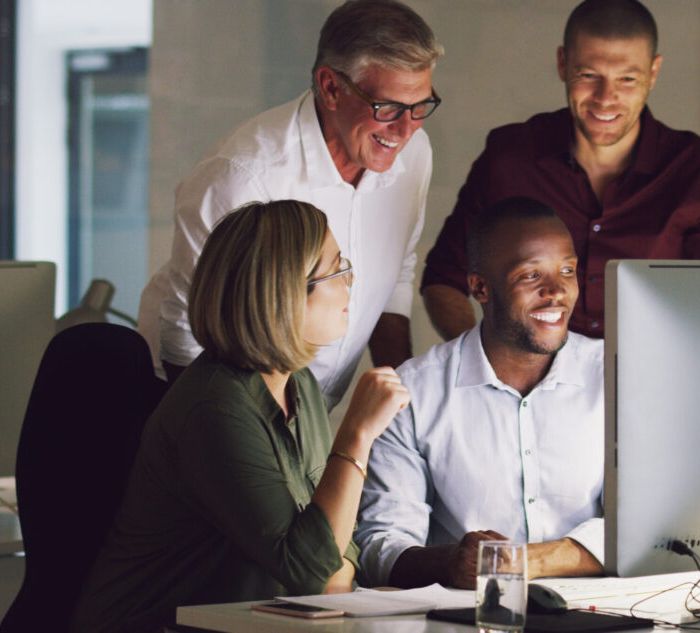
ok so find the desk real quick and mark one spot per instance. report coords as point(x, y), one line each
point(237, 617)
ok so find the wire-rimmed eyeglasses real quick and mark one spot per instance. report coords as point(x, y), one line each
point(345, 269)
point(386, 111)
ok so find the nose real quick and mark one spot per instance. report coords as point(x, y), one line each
point(605, 91)
point(404, 126)
point(552, 287)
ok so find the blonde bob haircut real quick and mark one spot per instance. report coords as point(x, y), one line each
point(248, 294)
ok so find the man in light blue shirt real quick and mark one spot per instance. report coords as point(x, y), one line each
point(504, 434)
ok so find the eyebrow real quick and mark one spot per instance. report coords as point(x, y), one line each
point(537, 260)
point(336, 260)
point(629, 69)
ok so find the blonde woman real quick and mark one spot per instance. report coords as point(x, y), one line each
point(237, 493)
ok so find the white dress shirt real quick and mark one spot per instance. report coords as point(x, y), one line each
point(281, 154)
point(470, 453)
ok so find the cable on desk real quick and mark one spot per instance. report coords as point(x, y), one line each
point(682, 549)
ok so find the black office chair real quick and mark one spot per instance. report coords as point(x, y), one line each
point(93, 392)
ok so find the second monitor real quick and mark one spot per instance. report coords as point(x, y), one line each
point(652, 415)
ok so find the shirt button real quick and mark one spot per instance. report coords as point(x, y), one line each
point(524, 403)
point(596, 227)
point(531, 500)
point(595, 325)
point(528, 451)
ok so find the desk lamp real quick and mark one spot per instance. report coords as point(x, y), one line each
point(94, 307)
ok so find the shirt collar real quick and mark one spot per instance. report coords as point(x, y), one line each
point(320, 168)
point(260, 394)
point(475, 368)
point(565, 369)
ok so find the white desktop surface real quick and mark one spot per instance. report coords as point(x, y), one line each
point(239, 618)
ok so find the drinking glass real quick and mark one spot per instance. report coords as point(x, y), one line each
point(501, 586)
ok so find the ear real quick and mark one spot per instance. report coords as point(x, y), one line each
point(655, 68)
point(478, 287)
point(561, 63)
point(328, 87)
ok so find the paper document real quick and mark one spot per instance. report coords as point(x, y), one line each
point(370, 602)
point(237, 617)
point(662, 596)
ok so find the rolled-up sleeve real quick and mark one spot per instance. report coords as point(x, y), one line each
point(234, 479)
point(591, 534)
point(396, 500)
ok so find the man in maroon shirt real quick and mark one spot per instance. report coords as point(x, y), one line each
point(626, 185)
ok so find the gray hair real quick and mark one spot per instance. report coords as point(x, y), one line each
point(387, 33)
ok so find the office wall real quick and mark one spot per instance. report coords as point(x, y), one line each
point(217, 62)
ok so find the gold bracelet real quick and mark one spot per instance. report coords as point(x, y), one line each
point(355, 462)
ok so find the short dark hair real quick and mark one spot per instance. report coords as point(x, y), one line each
point(611, 19)
point(516, 208)
point(383, 32)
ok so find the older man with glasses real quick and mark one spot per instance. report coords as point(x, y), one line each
point(353, 147)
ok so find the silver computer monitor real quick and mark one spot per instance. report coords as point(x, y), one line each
point(652, 415)
point(27, 291)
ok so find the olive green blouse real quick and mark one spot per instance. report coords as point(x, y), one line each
point(218, 507)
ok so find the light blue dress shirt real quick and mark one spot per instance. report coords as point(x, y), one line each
point(470, 453)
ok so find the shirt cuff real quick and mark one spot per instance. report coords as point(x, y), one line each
point(316, 555)
point(379, 556)
point(352, 553)
point(401, 301)
point(590, 534)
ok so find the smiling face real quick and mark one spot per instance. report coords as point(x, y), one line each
point(607, 85)
point(326, 316)
point(528, 286)
point(355, 139)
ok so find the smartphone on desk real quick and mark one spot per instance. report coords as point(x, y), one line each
point(296, 610)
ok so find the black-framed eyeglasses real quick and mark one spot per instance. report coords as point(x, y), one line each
point(345, 269)
point(386, 111)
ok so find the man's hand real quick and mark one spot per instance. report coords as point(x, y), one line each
point(564, 557)
point(450, 565)
point(461, 566)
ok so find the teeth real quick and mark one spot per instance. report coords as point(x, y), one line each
point(385, 143)
point(548, 317)
point(605, 117)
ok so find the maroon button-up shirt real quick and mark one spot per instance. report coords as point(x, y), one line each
point(652, 211)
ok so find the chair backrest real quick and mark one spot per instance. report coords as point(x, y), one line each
point(93, 392)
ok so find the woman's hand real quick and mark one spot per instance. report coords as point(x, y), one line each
point(378, 397)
